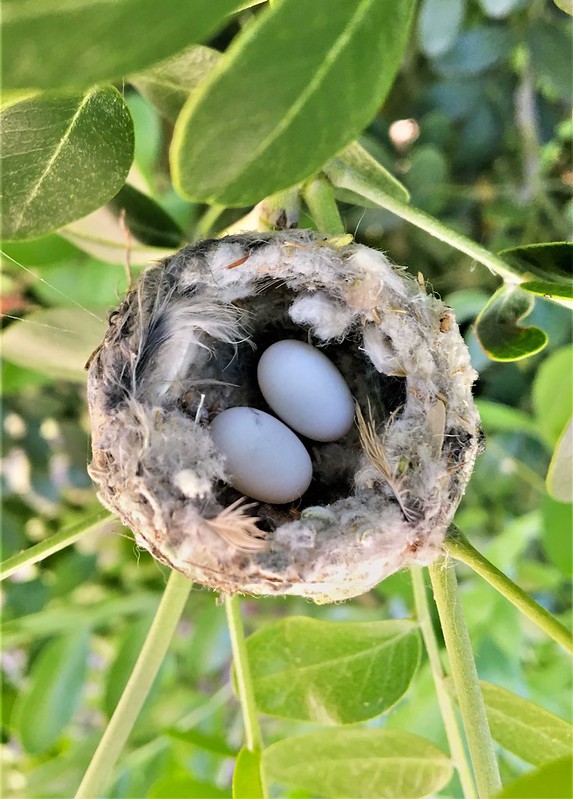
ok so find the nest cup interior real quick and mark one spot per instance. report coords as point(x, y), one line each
point(265, 321)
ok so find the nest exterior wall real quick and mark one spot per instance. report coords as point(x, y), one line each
point(164, 371)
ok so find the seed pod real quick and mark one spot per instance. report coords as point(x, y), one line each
point(184, 346)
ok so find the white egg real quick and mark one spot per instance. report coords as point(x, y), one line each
point(306, 390)
point(265, 460)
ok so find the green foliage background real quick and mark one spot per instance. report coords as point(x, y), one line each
point(486, 86)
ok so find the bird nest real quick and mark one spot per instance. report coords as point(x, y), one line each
point(184, 345)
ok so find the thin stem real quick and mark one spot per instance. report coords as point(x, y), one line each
point(460, 548)
point(455, 741)
point(53, 544)
point(208, 221)
point(138, 686)
point(253, 737)
point(319, 196)
point(465, 678)
point(347, 179)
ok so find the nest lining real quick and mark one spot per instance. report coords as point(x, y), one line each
point(183, 347)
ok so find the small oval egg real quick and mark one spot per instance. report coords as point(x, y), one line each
point(265, 460)
point(306, 390)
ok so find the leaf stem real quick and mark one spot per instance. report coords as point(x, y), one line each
point(253, 737)
point(53, 544)
point(319, 196)
point(138, 686)
point(346, 178)
point(448, 713)
point(465, 677)
point(460, 548)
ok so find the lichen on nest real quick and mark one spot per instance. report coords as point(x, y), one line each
point(183, 347)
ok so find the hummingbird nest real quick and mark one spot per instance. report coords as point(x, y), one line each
point(183, 346)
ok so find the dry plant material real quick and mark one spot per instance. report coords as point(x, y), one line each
point(184, 346)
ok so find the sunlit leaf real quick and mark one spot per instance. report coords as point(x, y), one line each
point(364, 764)
point(553, 394)
point(550, 291)
point(52, 44)
point(272, 113)
point(560, 473)
point(169, 84)
point(565, 5)
point(247, 776)
point(62, 157)
point(552, 781)
point(439, 23)
point(54, 341)
point(331, 672)
point(499, 9)
point(499, 332)
point(54, 691)
point(522, 727)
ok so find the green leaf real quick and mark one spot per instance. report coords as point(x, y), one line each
point(332, 672)
point(522, 727)
point(552, 781)
point(439, 23)
point(364, 764)
point(359, 160)
point(565, 5)
point(497, 417)
point(55, 44)
point(102, 235)
point(169, 84)
point(83, 281)
point(552, 394)
point(560, 472)
point(54, 341)
point(247, 776)
point(208, 743)
point(184, 787)
point(549, 291)
point(475, 51)
point(124, 661)
point(54, 691)
point(272, 112)
point(550, 53)
point(145, 219)
point(498, 331)
point(558, 534)
point(62, 158)
point(550, 261)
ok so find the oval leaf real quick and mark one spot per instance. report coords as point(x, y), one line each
point(54, 691)
point(62, 157)
point(475, 51)
point(169, 84)
point(252, 127)
point(364, 764)
point(498, 331)
point(550, 291)
point(247, 776)
point(522, 727)
point(145, 219)
point(560, 473)
point(553, 394)
point(55, 341)
point(53, 44)
point(332, 672)
point(550, 261)
point(552, 781)
point(439, 23)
